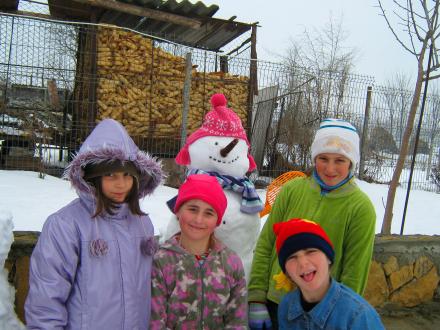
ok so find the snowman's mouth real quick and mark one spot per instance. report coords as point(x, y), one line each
point(224, 161)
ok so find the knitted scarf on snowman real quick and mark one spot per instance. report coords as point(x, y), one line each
point(250, 201)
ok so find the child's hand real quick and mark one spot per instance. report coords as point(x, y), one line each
point(259, 317)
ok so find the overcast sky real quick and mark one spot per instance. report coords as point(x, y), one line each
point(379, 54)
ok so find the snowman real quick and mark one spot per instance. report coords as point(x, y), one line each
point(220, 148)
point(8, 319)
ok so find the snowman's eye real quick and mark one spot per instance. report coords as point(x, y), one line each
point(216, 143)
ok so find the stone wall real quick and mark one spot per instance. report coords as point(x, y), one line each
point(17, 265)
point(404, 271)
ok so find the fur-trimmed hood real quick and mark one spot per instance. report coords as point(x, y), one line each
point(109, 141)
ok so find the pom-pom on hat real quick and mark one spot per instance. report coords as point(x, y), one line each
point(298, 234)
point(219, 121)
point(205, 188)
point(339, 137)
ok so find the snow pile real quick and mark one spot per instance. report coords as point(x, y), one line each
point(8, 319)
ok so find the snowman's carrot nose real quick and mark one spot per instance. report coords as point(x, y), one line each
point(226, 150)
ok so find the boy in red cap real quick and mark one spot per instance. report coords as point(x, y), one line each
point(305, 254)
point(197, 282)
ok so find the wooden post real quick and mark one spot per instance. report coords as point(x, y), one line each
point(84, 92)
point(186, 96)
point(364, 139)
point(93, 57)
point(253, 79)
point(54, 98)
point(224, 64)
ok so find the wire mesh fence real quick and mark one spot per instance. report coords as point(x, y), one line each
point(57, 80)
point(66, 77)
point(388, 116)
point(290, 110)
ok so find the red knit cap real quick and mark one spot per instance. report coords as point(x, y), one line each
point(298, 234)
point(205, 188)
point(220, 121)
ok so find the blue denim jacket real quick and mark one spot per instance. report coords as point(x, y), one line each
point(341, 308)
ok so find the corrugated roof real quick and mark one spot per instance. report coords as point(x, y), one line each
point(186, 8)
point(211, 33)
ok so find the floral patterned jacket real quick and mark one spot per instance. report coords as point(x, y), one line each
point(189, 295)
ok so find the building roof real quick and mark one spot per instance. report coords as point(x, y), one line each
point(184, 22)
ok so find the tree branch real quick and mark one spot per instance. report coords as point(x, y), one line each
point(414, 22)
point(427, 17)
point(394, 32)
point(400, 6)
point(432, 77)
point(434, 21)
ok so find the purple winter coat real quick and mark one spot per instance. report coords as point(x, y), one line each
point(70, 288)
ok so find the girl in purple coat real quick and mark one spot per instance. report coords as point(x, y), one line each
point(91, 267)
point(198, 283)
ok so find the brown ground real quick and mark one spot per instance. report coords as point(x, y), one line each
point(419, 318)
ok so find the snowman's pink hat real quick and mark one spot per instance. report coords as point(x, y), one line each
point(220, 121)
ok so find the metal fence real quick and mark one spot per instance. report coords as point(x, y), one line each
point(58, 79)
point(387, 119)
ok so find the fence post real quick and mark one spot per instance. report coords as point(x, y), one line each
point(253, 80)
point(364, 139)
point(186, 96)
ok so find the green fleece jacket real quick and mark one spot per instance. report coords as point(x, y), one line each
point(346, 214)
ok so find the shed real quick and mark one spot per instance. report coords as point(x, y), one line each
point(186, 23)
point(98, 71)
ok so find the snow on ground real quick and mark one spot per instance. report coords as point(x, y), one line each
point(31, 200)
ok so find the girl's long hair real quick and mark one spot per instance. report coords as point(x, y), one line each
point(105, 204)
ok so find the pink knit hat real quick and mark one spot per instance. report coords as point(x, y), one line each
point(205, 188)
point(220, 121)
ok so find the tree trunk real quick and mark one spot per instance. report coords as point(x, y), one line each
point(388, 216)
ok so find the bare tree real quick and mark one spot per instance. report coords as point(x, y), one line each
point(65, 43)
point(398, 101)
point(319, 66)
point(323, 54)
point(420, 21)
point(322, 50)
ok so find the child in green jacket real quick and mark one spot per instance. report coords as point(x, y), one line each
point(332, 199)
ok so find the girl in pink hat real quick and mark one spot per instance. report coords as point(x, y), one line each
point(197, 282)
point(221, 149)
